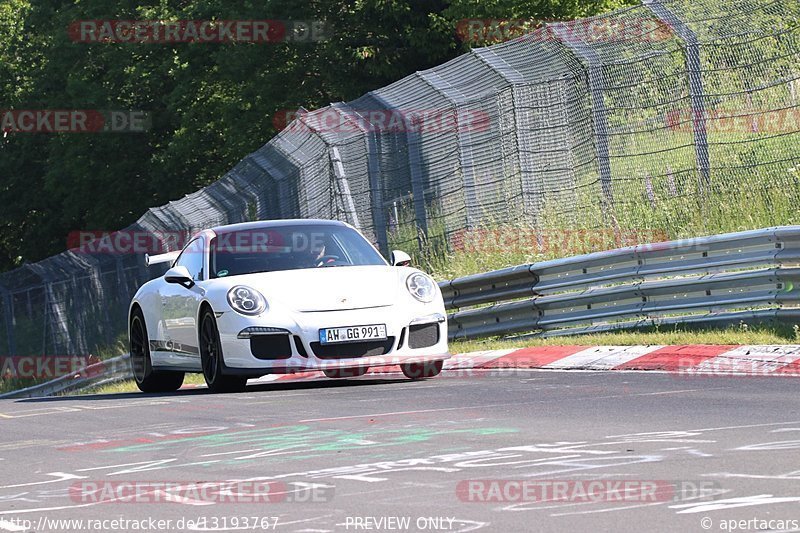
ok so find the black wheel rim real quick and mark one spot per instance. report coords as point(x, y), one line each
point(210, 349)
point(138, 350)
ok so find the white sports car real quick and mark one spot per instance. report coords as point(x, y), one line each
point(246, 300)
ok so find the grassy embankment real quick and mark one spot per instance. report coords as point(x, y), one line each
point(654, 200)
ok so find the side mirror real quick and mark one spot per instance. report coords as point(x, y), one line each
point(179, 275)
point(400, 259)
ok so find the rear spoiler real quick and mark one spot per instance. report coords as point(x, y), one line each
point(168, 257)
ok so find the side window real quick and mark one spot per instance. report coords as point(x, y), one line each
point(192, 258)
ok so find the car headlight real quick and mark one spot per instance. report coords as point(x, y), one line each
point(421, 287)
point(246, 301)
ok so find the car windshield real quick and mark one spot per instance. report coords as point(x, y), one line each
point(290, 247)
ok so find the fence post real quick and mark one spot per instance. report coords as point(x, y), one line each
point(694, 74)
point(376, 194)
point(344, 187)
point(284, 195)
point(373, 172)
point(463, 142)
point(417, 183)
point(122, 285)
point(8, 318)
point(599, 110)
point(515, 81)
point(45, 317)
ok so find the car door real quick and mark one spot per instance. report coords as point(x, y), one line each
point(180, 305)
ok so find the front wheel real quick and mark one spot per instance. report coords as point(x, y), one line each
point(424, 370)
point(211, 358)
point(147, 379)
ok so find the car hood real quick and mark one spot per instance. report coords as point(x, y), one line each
point(327, 289)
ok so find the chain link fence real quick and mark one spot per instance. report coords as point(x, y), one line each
point(647, 117)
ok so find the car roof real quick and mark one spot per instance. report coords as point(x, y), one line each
point(261, 224)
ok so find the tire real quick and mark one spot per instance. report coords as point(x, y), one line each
point(424, 370)
point(147, 379)
point(212, 359)
point(342, 373)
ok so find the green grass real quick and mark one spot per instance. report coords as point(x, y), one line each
point(496, 245)
point(744, 208)
point(731, 335)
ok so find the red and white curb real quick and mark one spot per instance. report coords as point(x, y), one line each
point(699, 359)
point(685, 360)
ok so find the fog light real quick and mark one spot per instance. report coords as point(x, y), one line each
point(246, 333)
point(430, 319)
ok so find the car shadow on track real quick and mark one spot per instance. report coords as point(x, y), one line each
point(201, 390)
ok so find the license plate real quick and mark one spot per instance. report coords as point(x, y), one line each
point(353, 334)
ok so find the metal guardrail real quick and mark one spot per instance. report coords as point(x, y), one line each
point(750, 276)
point(101, 373)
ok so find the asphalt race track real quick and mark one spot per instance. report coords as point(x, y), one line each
point(388, 454)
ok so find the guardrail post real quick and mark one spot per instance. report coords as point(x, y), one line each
point(599, 110)
point(417, 183)
point(694, 74)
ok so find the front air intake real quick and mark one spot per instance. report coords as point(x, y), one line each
point(275, 346)
point(423, 335)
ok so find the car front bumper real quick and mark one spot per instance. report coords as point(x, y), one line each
point(414, 335)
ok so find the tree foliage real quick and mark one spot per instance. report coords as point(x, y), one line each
point(209, 104)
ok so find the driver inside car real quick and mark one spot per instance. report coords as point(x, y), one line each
point(319, 257)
